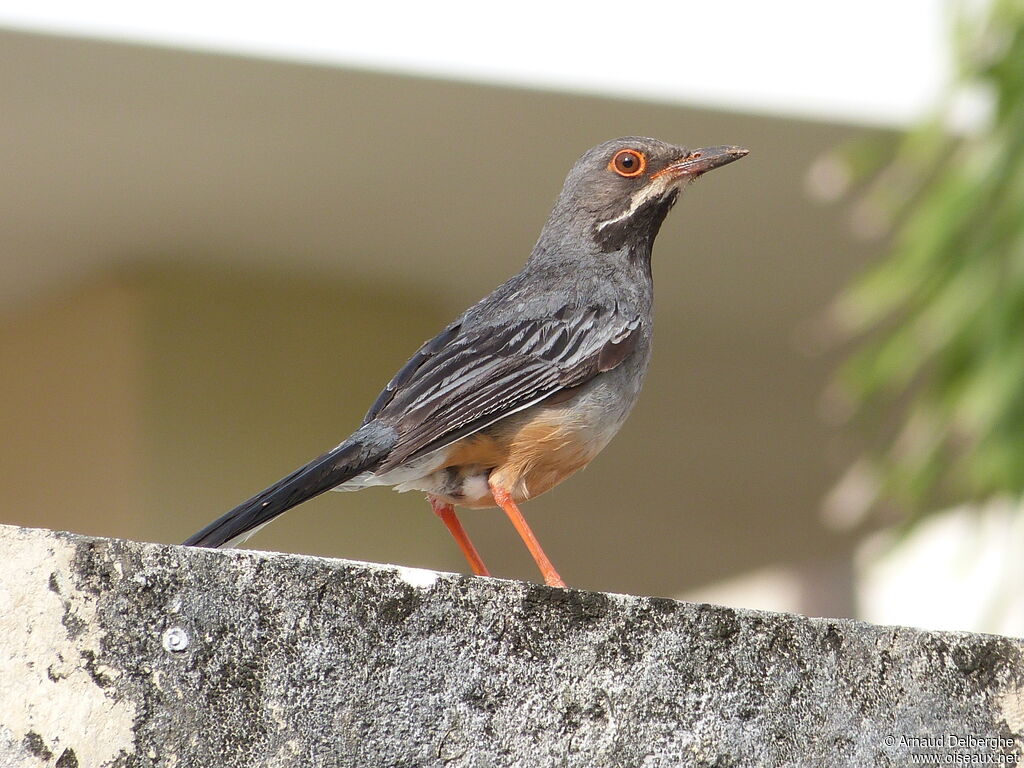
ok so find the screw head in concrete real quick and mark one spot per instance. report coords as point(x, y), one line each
point(175, 640)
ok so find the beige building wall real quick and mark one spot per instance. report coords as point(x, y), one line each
point(154, 399)
point(72, 456)
point(210, 265)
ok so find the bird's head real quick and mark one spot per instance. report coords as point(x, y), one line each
point(619, 192)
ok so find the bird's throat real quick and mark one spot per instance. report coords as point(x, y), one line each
point(636, 232)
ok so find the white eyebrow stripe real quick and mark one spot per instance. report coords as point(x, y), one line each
point(655, 189)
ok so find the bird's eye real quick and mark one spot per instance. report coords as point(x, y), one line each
point(628, 163)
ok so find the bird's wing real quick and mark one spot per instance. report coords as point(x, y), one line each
point(460, 382)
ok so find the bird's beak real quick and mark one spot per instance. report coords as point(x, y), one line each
point(703, 160)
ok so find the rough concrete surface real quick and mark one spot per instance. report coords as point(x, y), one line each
point(115, 653)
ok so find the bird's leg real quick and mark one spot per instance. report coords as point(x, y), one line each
point(447, 514)
point(504, 500)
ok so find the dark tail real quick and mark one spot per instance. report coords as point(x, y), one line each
point(360, 453)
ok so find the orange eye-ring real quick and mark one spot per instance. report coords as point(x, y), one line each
point(628, 163)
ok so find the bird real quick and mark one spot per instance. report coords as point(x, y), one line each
point(529, 384)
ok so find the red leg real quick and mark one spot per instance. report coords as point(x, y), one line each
point(447, 514)
point(504, 500)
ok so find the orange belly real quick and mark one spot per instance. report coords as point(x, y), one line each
point(526, 455)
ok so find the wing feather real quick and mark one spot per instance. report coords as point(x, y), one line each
point(462, 381)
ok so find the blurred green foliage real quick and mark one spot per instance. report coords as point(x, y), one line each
point(939, 323)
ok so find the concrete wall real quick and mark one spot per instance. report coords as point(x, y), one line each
point(114, 653)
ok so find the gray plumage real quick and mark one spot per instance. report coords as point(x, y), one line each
point(574, 327)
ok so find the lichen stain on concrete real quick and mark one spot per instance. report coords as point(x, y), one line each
point(45, 639)
point(1011, 707)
